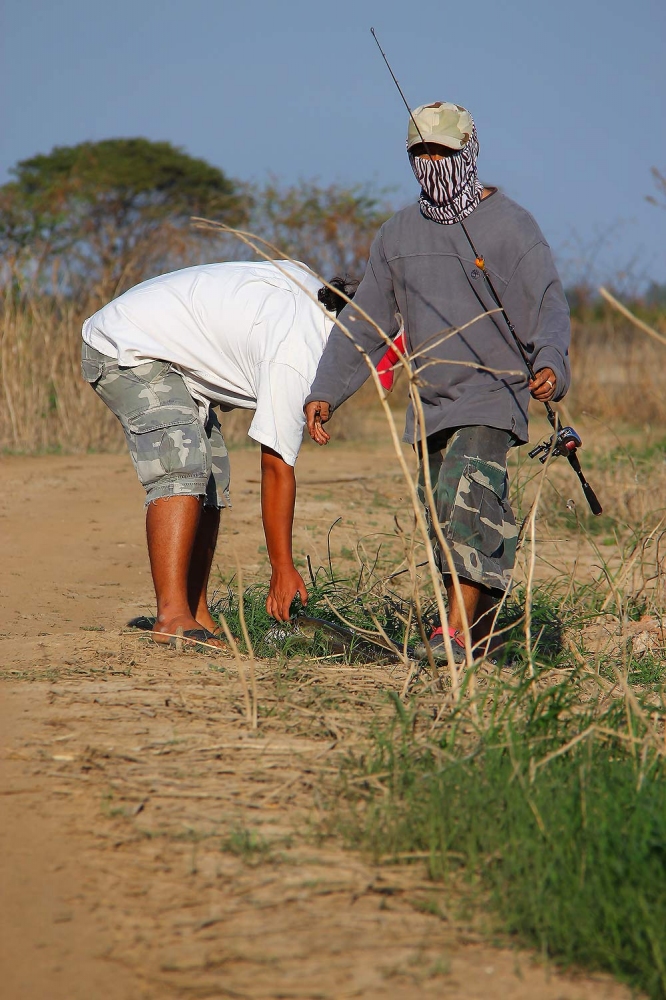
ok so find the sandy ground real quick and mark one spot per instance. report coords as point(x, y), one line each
point(152, 844)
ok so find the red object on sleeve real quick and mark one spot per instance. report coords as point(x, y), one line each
point(385, 366)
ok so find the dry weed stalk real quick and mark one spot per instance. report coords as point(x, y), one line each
point(269, 252)
point(627, 313)
point(250, 705)
point(47, 406)
point(529, 589)
point(246, 635)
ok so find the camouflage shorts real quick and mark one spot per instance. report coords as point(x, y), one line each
point(173, 453)
point(470, 487)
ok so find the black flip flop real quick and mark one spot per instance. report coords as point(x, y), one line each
point(194, 637)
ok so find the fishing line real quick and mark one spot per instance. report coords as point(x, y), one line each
point(564, 441)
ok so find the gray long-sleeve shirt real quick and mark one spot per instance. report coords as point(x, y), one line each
point(425, 274)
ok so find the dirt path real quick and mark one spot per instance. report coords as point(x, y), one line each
point(152, 844)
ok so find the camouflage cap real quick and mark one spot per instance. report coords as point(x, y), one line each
point(442, 123)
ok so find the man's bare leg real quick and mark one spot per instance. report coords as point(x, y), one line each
point(485, 618)
point(478, 604)
point(200, 566)
point(172, 524)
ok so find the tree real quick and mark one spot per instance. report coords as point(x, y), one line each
point(108, 214)
point(329, 228)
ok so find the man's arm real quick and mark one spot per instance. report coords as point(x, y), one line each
point(278, 496)
point(343, 369)
point(535, 301)
point(318, 412)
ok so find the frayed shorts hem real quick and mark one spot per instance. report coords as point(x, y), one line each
point(183, 486)
point(496, 584)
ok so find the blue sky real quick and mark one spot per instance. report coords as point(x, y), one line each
point(568, 97)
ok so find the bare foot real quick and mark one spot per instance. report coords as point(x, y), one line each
point(165, 628)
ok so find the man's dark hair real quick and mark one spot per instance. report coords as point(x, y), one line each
point(331, 299)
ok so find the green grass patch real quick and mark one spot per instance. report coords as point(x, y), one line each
point(248, 845)
point(330, 600)
point(641, 458)
point(542, 807)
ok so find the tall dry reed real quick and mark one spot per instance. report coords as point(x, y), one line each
point(617, 372)
point(617, 378)
point(46, 405)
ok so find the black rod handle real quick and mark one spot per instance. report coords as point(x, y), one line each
point(590, 495)
point(591, 498)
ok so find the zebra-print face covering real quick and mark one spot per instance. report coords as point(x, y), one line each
point(450, 188)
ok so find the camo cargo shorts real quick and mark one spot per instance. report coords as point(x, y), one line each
point(470, 487)
point(173, 452)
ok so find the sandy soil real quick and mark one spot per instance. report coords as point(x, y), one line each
point(153, 845)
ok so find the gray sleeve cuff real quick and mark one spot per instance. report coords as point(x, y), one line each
point(318, 397)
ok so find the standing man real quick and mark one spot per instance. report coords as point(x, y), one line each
point(160, 356)
point(422, 270)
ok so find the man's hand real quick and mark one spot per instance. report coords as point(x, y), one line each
point(316, 414)
point(544, 385)
point(285, 584)
point(278, 493)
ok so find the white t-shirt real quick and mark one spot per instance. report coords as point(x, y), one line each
point(241, 333)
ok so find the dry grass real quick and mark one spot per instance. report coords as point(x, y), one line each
point(617, 373)
point(208, 860)
point(47, 406)
point(583, 696)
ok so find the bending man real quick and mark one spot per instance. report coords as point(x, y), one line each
point(161, 356)
point(423, 271)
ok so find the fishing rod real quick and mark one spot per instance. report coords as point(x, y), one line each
point(564, 440)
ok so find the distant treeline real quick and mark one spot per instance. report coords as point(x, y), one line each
point(91, 220)
point(83, 223)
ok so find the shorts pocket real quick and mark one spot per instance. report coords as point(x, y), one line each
point(91, 370)
point(480, 511)
point(168, 441)
point(92, 363)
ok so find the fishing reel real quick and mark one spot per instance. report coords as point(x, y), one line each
point(564, 442)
